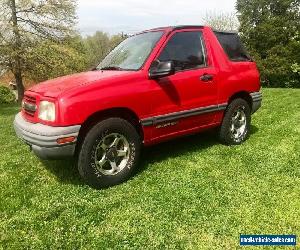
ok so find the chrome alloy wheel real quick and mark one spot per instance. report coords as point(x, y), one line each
point(112, 154)
point(238, 124)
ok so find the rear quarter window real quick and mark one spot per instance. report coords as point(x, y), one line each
point(233, 47)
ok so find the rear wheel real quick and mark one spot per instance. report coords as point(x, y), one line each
point(236, 123)
point(109, 153)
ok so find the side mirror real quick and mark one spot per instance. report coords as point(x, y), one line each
point(161, 69)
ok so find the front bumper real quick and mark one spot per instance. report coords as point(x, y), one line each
point(256, 101)
point(43, 139)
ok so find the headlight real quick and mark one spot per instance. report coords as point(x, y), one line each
point(47, 111)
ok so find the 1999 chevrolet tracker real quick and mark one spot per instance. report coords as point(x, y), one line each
point(154, 86)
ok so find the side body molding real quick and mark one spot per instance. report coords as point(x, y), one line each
point(182, 114)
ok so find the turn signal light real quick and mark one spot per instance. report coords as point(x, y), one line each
point(66, 140)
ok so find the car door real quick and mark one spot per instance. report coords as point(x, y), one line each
point(187, 99)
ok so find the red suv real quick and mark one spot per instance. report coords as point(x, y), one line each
point(155, 86)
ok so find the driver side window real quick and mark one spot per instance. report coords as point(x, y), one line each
point(185, 49)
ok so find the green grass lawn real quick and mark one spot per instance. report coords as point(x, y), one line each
point(190, 193)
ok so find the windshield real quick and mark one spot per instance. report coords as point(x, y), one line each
point(132, 53)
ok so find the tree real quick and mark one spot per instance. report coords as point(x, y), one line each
point(221, 21)
point(271, 31)
point(25, 24)
point(99, 45)
point(55, 59)
point(115, 40)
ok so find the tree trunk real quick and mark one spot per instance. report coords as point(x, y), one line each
point(17, 65)
point(20, 86)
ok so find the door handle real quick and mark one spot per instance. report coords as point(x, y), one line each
point(206, 78)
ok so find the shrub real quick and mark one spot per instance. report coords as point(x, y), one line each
point(6, 95)
point(270, 29)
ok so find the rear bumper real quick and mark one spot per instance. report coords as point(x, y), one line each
point(43, 139)
point(256, 101)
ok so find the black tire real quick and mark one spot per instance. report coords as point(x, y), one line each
point(87, 162)
point(225, 132)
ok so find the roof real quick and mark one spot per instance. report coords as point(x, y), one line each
point(179, 27)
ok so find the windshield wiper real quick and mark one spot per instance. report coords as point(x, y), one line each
point(111, 68)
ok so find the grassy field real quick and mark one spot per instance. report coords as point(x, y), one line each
point(191, 193)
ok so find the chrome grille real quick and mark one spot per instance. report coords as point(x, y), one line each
point(29, 105)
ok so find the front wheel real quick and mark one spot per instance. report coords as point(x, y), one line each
point(236, 123)
point(109, 153)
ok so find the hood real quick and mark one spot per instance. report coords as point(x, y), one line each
point(57, 86)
